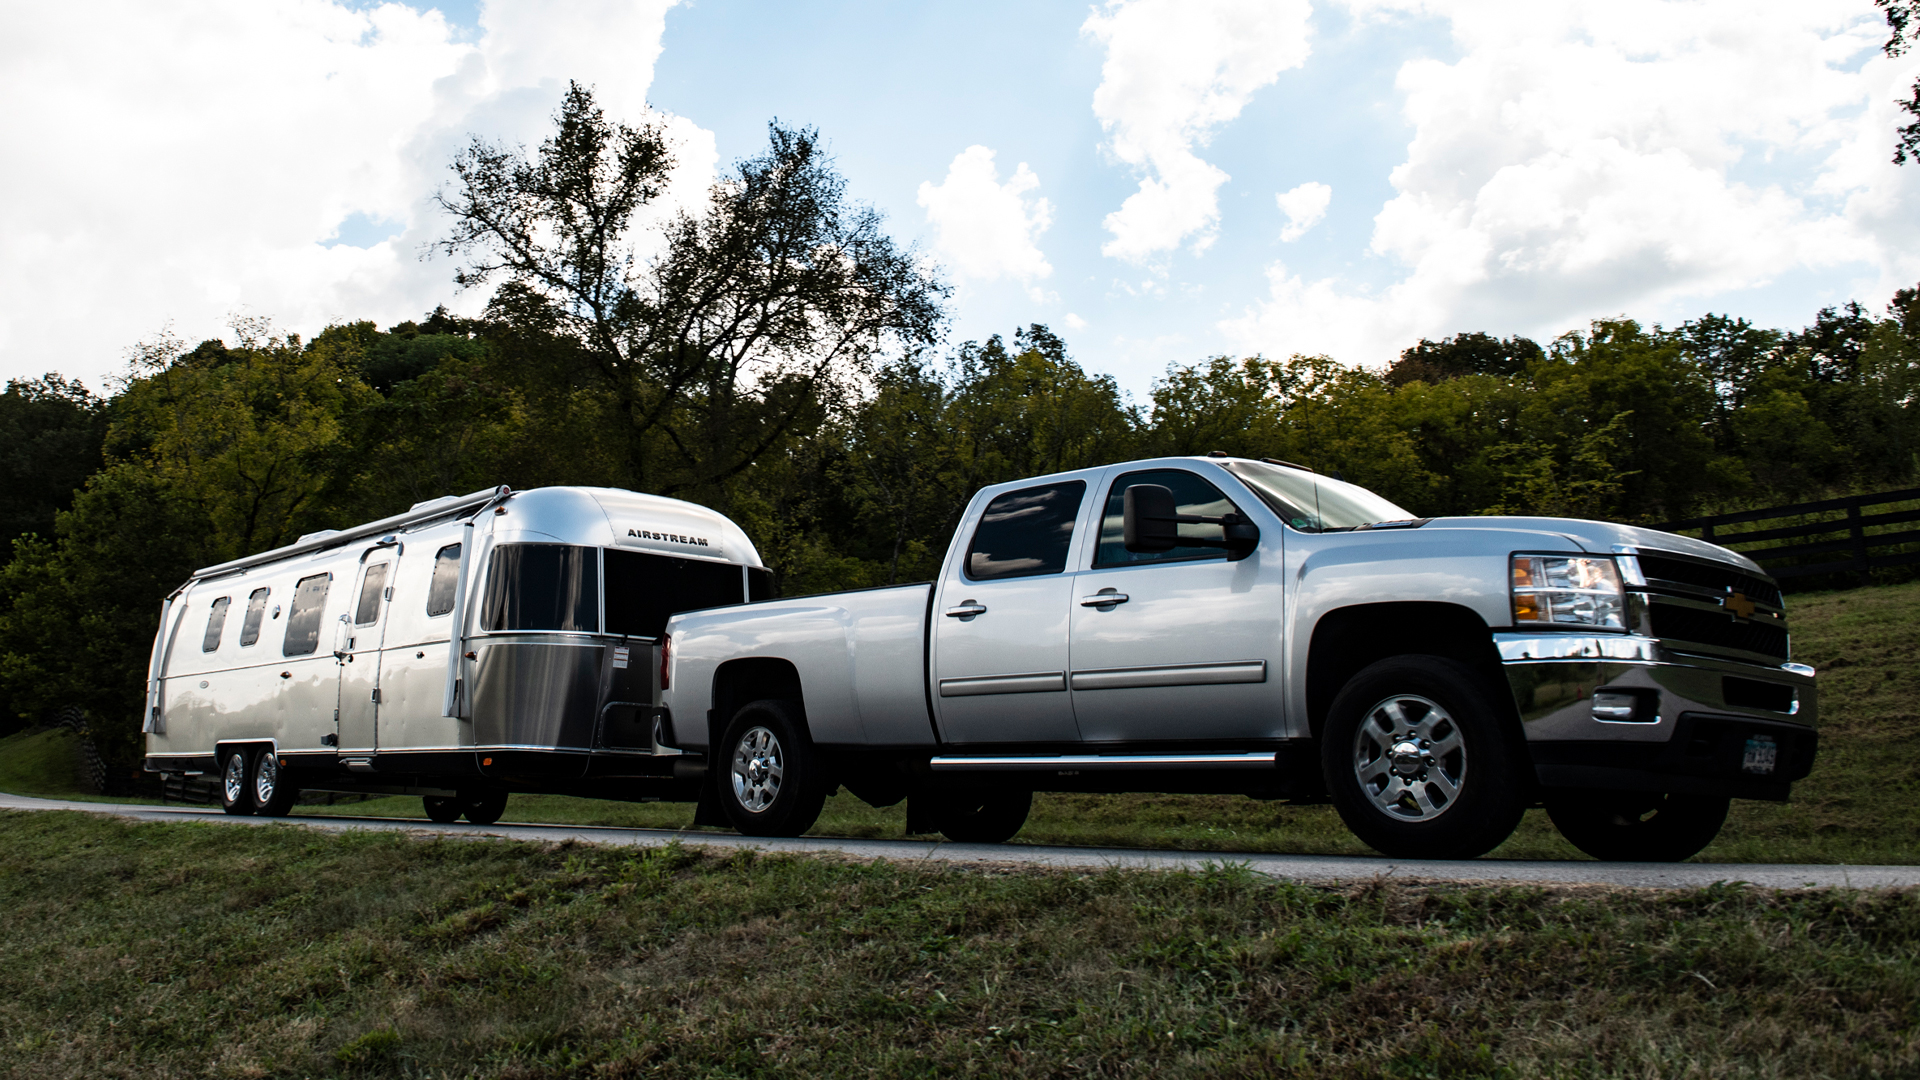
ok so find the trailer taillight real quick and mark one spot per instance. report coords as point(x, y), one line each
point(666, 656)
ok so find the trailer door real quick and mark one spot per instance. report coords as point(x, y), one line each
point(361, 633)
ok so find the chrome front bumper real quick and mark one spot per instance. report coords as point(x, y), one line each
point(1625, 712)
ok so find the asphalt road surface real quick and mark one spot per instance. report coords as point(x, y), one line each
point(1316, 868)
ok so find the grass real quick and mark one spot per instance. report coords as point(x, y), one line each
point(1861, 805)
point(185, 950)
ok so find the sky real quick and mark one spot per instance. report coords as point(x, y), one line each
point(1158, 181)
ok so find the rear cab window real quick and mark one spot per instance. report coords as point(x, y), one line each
point(1025, 533)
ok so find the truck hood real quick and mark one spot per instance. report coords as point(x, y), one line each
point(1599, 536)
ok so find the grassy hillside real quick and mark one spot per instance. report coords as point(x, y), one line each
point(1861, 805)
point(40, 763)
point(190, 950)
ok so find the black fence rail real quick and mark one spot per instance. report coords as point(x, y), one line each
point(1808, 542)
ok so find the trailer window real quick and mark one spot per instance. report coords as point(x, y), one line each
point(303, 623)
point(256, 611)
point(644, 590)
point(446, 578)
point(1025, 532)
point(543, 587)
point(216, 623)
point(367, 612)
point(759, 584)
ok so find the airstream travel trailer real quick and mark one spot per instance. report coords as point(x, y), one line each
point(471, 647)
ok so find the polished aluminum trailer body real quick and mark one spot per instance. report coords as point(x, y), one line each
point(501, 638)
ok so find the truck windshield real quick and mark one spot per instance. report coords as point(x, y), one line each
point(1313, 503)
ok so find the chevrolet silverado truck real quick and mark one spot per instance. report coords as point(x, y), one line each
point(1225, 625)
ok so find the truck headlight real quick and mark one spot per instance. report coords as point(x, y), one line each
point(1568, 590)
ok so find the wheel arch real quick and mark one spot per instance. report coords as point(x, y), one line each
point(1347, 640)
point(752, 678)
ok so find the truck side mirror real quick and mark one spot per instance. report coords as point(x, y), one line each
point(1152, 520)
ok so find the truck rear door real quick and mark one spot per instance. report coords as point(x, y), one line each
point(1000, 622)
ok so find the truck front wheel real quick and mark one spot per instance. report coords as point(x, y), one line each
point(1419, 763)
point(770, 777)
point(1636, 826)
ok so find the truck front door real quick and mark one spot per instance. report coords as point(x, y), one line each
point(1000, 623)
point(1176, 646)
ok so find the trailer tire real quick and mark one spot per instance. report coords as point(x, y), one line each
point(1637, 826)
point(770, 780)
point(236, 793)
point(1419, 762)
point(483, 806)
point(272, 795)
point(982, 817)
point(441, 810)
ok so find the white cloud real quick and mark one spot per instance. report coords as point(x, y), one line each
point(1304, 207)
point(186, 163)
point(1075, 322)
point(1175, 71)
point(986, 229)
point(1578, 161)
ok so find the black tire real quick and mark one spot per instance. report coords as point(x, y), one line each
point(1637, 826)
point(441, 809)
point(236, 787)
point(769, 779)
point(1420, 761)
point(483, 806)
point(273, 796)
point(982, 817)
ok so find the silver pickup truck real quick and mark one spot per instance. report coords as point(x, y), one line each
point(1224, 625)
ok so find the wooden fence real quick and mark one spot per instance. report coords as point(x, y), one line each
point(1820, 539)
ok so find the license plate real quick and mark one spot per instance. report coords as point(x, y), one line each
point(1761, 756)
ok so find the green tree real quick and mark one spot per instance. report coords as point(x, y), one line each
point(51, 432)
point(779, 292)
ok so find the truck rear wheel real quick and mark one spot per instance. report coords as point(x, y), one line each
point(1419, 763)
point(236, 796)
point(272, 796)
point(982, 817)
point(1637, 826)
point(770, 778)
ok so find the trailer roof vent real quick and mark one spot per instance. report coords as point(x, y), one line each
point(321, 535)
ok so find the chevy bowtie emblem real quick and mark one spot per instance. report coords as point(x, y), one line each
point(1739, 605)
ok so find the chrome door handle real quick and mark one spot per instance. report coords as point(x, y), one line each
point(1105, 599)
point(966, 611)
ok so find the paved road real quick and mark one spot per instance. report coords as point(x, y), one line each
point(1318, 868)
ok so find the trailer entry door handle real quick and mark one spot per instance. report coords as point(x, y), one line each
point(967, 610)
point(1106, 598)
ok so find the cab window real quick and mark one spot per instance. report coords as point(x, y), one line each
point(1026, 532)
point(1191, 494)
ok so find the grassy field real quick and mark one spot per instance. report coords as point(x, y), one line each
point(1861, 805)
point(198, 950)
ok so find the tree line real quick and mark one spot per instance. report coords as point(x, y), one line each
point(774, 354)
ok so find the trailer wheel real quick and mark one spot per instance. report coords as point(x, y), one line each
point(272, 797)
point(770, 779)
point(442, 810)
point(1419, 763)
point(1637, 826)
point(483, 807)
point(982, 817)
point(235, 798)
